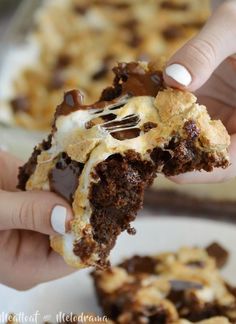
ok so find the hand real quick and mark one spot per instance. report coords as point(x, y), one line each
point(206, 65)
point(26, 221)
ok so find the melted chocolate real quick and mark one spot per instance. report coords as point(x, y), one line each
point(64, 177)
point(130, 79)
point(136, 81)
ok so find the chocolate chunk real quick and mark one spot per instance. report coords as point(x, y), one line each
point(63, 178)
point(130, 24)
point(169, 5)
point(63, 61)
point(20, 104)
point(147, 126)
point(81, 9)
point(135, 40)
point(173, 32)
point(220, 254)
point(140, 264)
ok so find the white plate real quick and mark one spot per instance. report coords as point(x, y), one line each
point(154, 234)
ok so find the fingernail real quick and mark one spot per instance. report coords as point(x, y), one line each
point(179, 73)
point(58, 219)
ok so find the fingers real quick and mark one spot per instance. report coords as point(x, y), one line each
point(38, 211)
point(194, 63)
point(218, 175)
point(9, 168)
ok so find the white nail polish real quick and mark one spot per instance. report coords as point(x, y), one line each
point(179, 73)
point(58, 219)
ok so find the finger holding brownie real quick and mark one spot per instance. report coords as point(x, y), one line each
point(26, 221)
point(207, 65)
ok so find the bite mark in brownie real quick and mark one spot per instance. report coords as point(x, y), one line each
point(101, 157)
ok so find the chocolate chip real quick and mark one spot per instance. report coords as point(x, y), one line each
point(169, 5)
point(173, 32)
point(217, 252)
point(20, 104)
point(63, 61)
point(147, 126)
point(80, 9)
point(130, 24)
point(135, 40)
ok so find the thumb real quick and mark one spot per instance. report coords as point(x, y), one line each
point(194, 63)
point(38, 211)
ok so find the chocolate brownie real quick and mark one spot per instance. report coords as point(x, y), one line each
point(182, 287)
point(101, 157)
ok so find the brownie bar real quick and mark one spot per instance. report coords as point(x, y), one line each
point(181, 287)
point(101, 157)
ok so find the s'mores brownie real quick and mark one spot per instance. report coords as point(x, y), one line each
point(169, 288)
point(101, 157)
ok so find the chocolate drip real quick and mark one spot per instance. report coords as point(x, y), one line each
point(64, 177)
point(130, 79)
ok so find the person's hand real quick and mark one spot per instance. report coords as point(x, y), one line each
point(206, 65)
point(26, 221)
